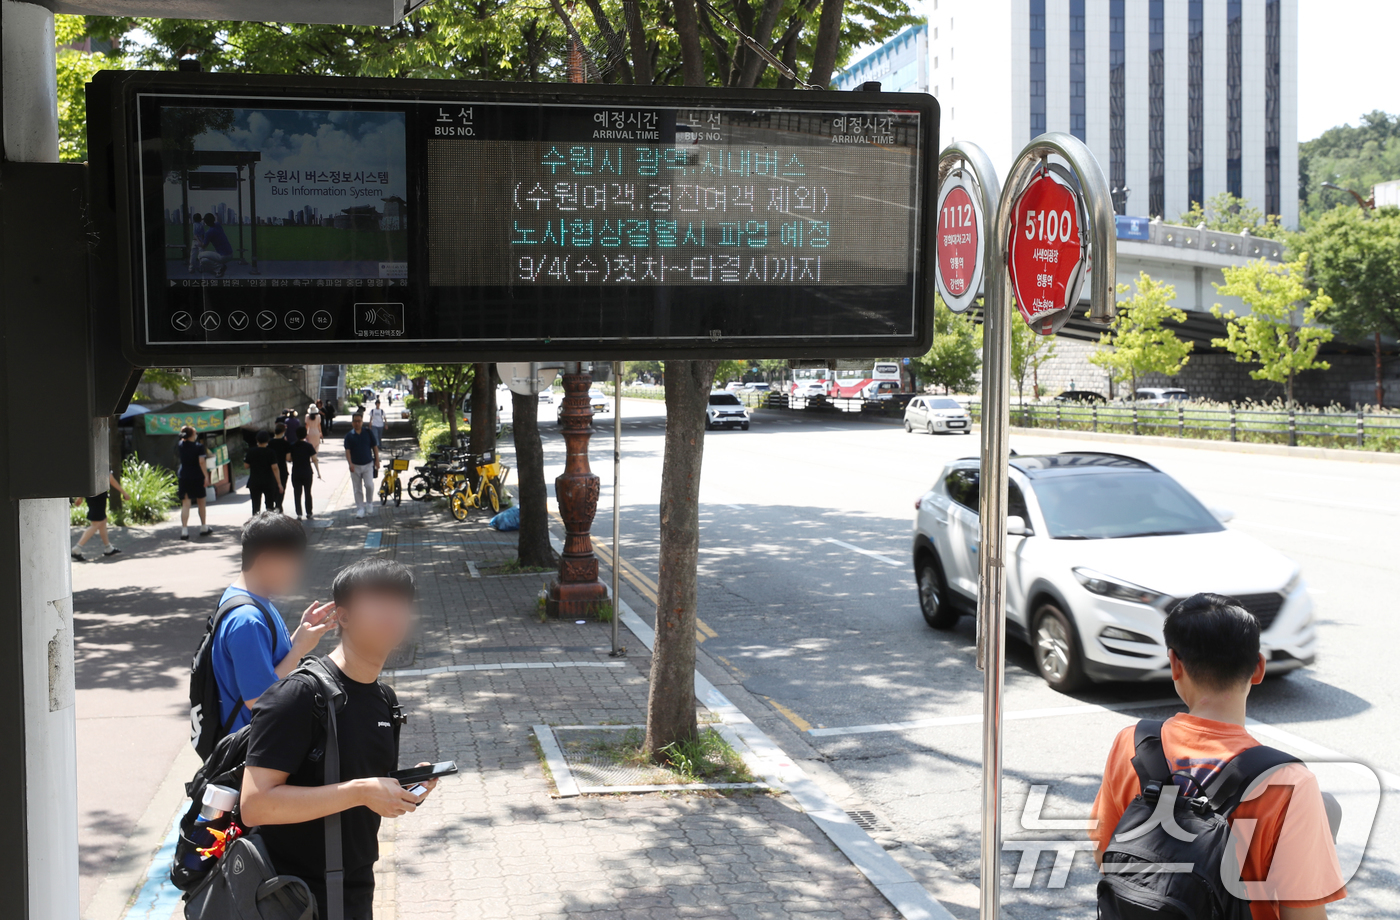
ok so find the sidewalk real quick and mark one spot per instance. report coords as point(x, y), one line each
point(495, 841)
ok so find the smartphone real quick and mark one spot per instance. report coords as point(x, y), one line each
point(410, 775)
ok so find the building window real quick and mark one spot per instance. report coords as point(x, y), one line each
point(935, 63)
point(1076, 68)
point(1117, 124)
point(1156, 109)
point(1195, 101)
point(1037, 49)
point(1234, 103)
point(1272, 198)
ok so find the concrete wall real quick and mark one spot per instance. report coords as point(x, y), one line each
point(1220, 377)
point(267, 392)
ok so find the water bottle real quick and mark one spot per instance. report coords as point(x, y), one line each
point(215, 814)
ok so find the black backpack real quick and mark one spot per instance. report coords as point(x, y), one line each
point(206, 729)
point(1155, 874)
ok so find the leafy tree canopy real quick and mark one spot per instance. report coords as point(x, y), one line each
point(1352, 157)
point(1138, 341)
point(955, 357)
point(1229, 214)
point(1356, 260)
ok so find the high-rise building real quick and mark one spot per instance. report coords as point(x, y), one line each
point(1178, 99)
point(900, 65)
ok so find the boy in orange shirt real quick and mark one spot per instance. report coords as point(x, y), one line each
point(1290, 870)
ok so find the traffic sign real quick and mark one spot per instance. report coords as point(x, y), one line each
point(446, 220)
point(1046, 254)
point(961, 243)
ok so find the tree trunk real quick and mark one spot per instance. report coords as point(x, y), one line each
point(1290, 390)
point(533, 548)
point(1380, 381)
point(753, 65)
point(671, 699)
point(483, 433)
point(688, 31)
point(637, 38)
point(828, 41)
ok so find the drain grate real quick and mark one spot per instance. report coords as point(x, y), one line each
point(866, 820)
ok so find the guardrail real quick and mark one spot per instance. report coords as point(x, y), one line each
point(1363, 429)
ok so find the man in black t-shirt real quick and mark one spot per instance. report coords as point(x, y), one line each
point(264, 479)
point(303, 456)
point(282, 447)
point(284, 791)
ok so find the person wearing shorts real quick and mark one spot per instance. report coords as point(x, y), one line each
point(97, 521)
point(192, 479)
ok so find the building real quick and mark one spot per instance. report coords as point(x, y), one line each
point(1386, 194)
point(1178, 99)
point(900, 65)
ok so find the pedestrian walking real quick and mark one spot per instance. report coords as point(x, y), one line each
point(313, 428)
point(284, 791)
point(264, 480)
point(97, 521)
point(303, 457)
point(330, 408)
point(251, 648)
point(281, 445)
point(377, 421)
point(293, 423)
point(192, 481)
point(362, 453)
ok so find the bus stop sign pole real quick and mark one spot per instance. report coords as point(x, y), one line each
point(998, 315)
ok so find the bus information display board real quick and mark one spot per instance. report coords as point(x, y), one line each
point(355, 217)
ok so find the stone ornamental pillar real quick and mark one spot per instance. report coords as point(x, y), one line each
point(577, 592)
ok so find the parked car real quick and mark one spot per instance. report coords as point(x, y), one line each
point(1081, 396)
point(880, 389)
point(759, 387)
point(1101, 546)
point(936, 414)
point(1159, 396)
point(726, 411)
point(810, 389)
point(596, 398)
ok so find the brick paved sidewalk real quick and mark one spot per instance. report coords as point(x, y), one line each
point(493, 842)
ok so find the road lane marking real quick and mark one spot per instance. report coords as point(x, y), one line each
point(888, 560)
point(1313, 749)
point(647, 588)
point(1021, 714)
point(1326, 503)
point(896, 204)
point(802, 724)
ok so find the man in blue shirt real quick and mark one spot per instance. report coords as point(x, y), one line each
point(362, 453)
point(253, 651)
point(220, 251)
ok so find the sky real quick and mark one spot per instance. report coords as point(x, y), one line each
point(1346, 62)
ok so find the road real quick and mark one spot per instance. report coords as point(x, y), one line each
point(807, 599)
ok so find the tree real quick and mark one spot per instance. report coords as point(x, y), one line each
point(1356, 260)
point(730, 370)
point(483, 431)
point(1137, 341)
point(449, 384)
point(532, 547)
point(1349, 157)
point(1029, 351)
point(1277, 334)
point(359, 376)
point(1228, 214)
point(75, 67)
point(954, 359)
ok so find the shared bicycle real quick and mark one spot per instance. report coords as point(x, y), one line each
point(392, 484)
point(485, 496)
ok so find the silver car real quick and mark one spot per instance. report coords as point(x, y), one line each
point(936, 415)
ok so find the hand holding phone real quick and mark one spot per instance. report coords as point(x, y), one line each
point(424, 772)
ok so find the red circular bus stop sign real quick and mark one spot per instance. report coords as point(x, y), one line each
point(1046, 253)
point(961, 243)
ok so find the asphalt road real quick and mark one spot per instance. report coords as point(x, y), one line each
point(808, 599)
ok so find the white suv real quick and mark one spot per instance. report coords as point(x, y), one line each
point(1100, 547)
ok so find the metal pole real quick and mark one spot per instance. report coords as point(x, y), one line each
point(991, 583)
point(617, 650)
point(996, 410)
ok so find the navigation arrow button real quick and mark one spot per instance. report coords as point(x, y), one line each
point(238, 320)
point(209, 320)
point(267, 319)
point(182, 321)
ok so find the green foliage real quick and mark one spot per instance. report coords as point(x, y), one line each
point(359, 376)
point(1137, 341)
point(1350, 157)
point(77, 514)
point(1029, 351)
point(953, 360)
point(1356, 260)
point(165, 378)
point(1228, 214)
point(74, 69)
point(431, 429)
point(726, 371)
point(1274, 334)
point(150, 491)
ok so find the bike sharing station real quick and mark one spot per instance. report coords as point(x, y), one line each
point(1047, 226)
point(459, 222)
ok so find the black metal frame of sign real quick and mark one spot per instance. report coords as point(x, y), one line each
point(254, 219)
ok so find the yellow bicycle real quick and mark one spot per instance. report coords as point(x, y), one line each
point(391, 484)
point(491, 476)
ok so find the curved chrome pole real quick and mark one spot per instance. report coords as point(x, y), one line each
point(991, 583)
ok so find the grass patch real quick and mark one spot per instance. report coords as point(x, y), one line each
point(708, 758)
point(605, 612)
